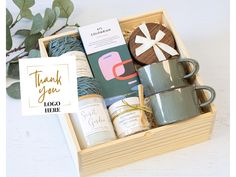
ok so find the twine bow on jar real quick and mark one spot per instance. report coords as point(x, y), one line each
point(147, 43)
point(132, 108)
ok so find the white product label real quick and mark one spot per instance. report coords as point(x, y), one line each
point(94, 119)
point(128, 123)
point(102, 35)
point(82, 65)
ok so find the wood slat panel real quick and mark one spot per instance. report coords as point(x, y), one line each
point(87, 171)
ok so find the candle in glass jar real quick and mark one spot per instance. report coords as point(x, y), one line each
point(92, 121)
point(126, 120)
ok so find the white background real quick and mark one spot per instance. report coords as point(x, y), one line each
point(36, 146)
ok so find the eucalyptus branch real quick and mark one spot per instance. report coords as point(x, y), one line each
point(60, 8)
point(19, 56)
point(64, 26)
point(20, 47)
point(15, 50)
point(40, 26)
point(15, 58)
point(26, 54)
point(16, 20)
point(67, 19)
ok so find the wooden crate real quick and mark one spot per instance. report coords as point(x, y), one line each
point(142, 145)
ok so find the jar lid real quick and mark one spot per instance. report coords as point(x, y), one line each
point(131, 100)
point(90, 96)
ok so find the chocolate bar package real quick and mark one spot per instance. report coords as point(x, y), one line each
point(110, 59)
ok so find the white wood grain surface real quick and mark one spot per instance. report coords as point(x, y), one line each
point(36, 146)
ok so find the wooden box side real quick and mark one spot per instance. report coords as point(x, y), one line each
point(147, 144)
point(128, 24)
point(109, 155)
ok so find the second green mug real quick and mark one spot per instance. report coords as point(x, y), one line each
point(179, 104)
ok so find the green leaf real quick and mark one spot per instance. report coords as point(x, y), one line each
point(34, 54)
point(8, 38)
point(23, 32)
point(26, 13)
point(57, 11)
point(32, 41)
point(57, 14)
point(9, 18)
point(13, 70)
point(66, 7)
point(24, 4)
point(37, 25)
point(49, 18)
point(14, 90)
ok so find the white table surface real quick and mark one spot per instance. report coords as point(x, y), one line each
point(36, 146)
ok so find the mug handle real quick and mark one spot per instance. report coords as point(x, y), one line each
point(195, 66)
point(212, 92)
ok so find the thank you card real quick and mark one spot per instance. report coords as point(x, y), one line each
point(48, 85)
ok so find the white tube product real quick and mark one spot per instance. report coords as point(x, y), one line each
point(92, 122)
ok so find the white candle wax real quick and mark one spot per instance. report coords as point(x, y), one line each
point(92, 122)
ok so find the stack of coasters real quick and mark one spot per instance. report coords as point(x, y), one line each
point(110, 60)
point(152, 42)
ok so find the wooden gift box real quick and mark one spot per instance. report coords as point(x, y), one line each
point(142, 145)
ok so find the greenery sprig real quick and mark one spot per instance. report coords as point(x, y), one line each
point(41, 24)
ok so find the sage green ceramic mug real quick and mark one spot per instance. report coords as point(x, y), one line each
point(179, 104)
point(166, 75)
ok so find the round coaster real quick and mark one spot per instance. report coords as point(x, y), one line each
point(149, 56)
